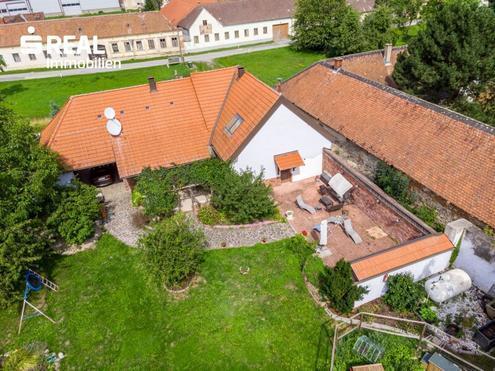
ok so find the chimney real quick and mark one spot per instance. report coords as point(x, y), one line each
point(337, 63)
point(152, 84)
point(387, 54)
point(240, 71)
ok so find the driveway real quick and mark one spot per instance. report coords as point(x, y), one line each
point(203, 57)
point(123, 221)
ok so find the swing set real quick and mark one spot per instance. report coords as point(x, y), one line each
point(34, 283)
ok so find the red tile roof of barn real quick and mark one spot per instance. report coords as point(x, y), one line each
point(176, 10)
point(169, 126)
point(451, 154)
point(400, 256)
point(252, 100)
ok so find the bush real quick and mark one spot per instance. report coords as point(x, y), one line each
point(75, 216)
point(403, 294)
point(393, 182)
point(210, 216)
point(243, 198)
point(155, 193)
point(428, 314)
point(173, 250)
point(313, 268)
point(337, 286)
point(300, 248)
point(429, 215)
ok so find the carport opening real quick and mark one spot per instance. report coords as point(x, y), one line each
point(99, 176)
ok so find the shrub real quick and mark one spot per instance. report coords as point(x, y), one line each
point(300, 248)
point(158, 196)
point(428, 314)
point(243, 198)
point(173, 250)
point(393, 182)
point(313, 268)
point(337, 286)
point(429, 215)
point(210, 216)
point(403, 294)
point(78, 209)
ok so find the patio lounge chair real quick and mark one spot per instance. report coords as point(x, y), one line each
point(303, 205)
point(351, 232)
point(323, 233)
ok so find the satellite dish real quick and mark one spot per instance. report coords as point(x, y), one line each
point(109, 113)
point(114, 127)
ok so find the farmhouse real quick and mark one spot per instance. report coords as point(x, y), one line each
point(230, 114)
point(450, 157)
point(120, 36)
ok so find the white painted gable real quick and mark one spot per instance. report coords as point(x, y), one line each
point(284, 132)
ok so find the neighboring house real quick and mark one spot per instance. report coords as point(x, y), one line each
point(449, 157)
point(214, 25)
point(120, 36)
point(23, 18)
point(132, 4)
point(230, 114)
point(57, 7)
point(226, 112)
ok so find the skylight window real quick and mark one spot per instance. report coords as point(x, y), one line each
point(232, 126)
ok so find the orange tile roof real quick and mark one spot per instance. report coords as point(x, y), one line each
point(252, 100)
point(448, 153)
point(176, 10)
point(103, 26)
point(289, 160)
point(163, 128)
point(400, 256)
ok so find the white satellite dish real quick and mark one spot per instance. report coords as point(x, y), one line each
point(114, 127)
point(109, 113)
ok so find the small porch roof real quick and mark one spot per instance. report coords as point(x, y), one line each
point(289, 160)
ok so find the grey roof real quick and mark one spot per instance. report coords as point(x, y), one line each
point(444, 364)
point(243, 11)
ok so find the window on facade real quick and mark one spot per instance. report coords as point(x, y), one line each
point(207, 38)
point(233, 124)
point(163, 43)
point(17, 57)
point(128, 46)
point(236, 34)
point(217, 37)
point(196, 39)
point(205, 22)
point(255, 31)
point(139, 45)
point(32, 57)
point(175, 42)
point(265, 30)
point(115, 47)
point(74, 51)
point(47, 56)
point(246, 32)
point(227, 35)
point(151, 44)
point(62, 54)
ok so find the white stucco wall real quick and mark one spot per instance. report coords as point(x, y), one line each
point(218, 28)
point(421, 269)
point(58, 7)
point(284, 132)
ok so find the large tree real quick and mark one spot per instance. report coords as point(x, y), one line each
point(327, 25)
point(28, 173)
point(378, 28)
point(150, 5)
point(405, 11)
point(453, 56)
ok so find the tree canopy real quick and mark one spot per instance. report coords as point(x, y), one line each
point(453, 55)
point(150, 5)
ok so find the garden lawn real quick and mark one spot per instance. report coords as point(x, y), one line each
point(112, 316)
point(269, 65)
point(31, 98)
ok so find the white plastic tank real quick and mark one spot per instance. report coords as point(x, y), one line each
point(447, 285)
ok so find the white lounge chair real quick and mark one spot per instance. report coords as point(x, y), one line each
point(303, 205)
point(323, 233)
point(351, 232)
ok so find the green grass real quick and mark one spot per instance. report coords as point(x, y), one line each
point(404, 36)
point(113, 317)
point(31, 98)
point(272, 64)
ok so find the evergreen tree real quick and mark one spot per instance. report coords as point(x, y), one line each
point(378, 28)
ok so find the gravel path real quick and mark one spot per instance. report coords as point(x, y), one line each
point(240, 236)
point(121, 214)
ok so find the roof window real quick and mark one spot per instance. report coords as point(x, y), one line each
point(233, 124)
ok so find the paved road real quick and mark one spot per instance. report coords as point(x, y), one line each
point(205, 57)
